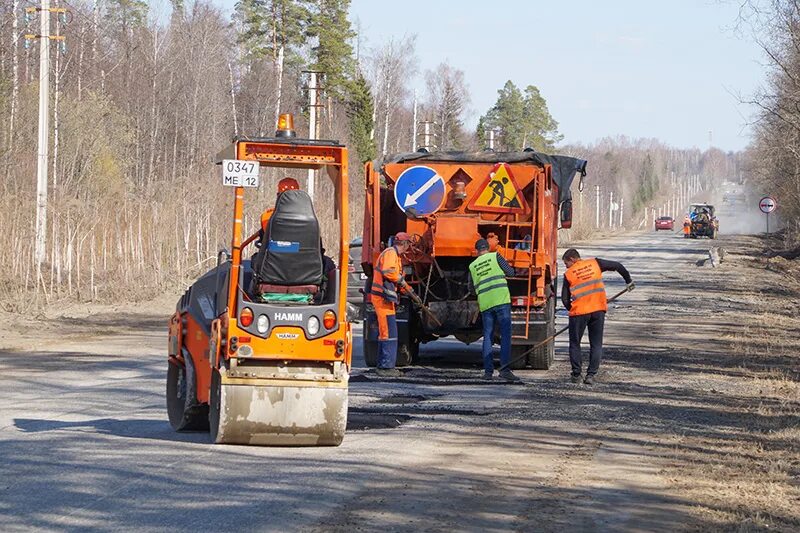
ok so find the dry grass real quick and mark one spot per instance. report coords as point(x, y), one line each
point(750, 479)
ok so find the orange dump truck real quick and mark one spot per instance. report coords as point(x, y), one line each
point(447, 201)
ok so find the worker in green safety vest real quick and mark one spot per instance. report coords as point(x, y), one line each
point(488, 275)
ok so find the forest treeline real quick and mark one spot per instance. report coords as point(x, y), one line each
point(774, 154)
point(141, 102)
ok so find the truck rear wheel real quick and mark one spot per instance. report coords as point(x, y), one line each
point(542, 357)
point(370, 353)
point(518, 362)
point(407, 352)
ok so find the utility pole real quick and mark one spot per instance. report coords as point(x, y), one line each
point(44, 126)
point(414, 127)
point(44, 132)
point(597, 207)
point(610, 209)
point(621, 209)
point(313, 104)
point(427, 136)
point(491, 138)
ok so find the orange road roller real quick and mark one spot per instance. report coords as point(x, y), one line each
point(260, 349)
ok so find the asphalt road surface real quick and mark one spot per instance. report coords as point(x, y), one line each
point(86, 445)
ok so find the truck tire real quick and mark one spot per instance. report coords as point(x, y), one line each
point(407, 353)
point(542, 357)
point(517, 361)
point(370, 353)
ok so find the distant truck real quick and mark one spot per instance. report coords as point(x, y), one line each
point(703, 221)
point(449, 200)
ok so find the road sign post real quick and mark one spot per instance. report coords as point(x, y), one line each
point(419, 188)
point(767, 205)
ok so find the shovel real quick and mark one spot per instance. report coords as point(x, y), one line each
point(553, 336)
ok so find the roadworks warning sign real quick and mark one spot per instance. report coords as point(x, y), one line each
point(499, 193)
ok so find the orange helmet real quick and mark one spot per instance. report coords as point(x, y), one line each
point(288, 184)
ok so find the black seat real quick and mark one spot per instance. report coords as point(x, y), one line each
point(289, 259)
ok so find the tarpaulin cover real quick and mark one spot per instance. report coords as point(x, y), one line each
point(290, 248)
point(564, 167)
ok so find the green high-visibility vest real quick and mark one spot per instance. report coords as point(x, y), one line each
point(490, 282)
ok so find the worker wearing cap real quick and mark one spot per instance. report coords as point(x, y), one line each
point(584, 295)
point(488, 275)
point(687, 226)
point(387, 278)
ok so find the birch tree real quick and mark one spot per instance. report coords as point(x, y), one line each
point(448, 99)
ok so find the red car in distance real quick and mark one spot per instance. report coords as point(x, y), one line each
point(665, 223)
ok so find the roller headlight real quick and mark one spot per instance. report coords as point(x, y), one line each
point(263, 323)
point(313, 325)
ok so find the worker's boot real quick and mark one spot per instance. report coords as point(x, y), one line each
point(575, 378)
point(387, 357)
point(588, 380)
point(508, 375)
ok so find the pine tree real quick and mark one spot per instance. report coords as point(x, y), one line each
point(333, 52)
point(269, 25)
point(125, 15)
point(506, 115)
point(523, 120)
point(359, 109)
point(541, 130)
point(648, 184)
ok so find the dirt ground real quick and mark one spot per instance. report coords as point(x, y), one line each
point(694, 423)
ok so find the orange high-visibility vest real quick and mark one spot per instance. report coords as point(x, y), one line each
point(387, 272)
point(586, 287)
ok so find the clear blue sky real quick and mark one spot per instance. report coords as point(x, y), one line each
point(669, 70)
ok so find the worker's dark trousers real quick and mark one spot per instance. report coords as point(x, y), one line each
point(499, 315)
point(577, 325)
point(387, 348)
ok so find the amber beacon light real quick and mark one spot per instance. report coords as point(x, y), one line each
point(285, 126)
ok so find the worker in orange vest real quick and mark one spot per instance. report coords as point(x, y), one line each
point(687, 226)
point(584, 295)
point(387, 279)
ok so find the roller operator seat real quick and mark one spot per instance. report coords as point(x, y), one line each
point(289, 260)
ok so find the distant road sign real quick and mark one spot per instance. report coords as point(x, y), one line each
point(767, 204)
point(421, 188)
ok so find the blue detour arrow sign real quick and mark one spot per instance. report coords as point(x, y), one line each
point(420, 188)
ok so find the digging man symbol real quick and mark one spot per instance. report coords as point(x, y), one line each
point(498, 191)
point(498, 187)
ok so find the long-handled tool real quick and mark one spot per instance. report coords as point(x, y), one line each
point(556, 334)
point(417, 300)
